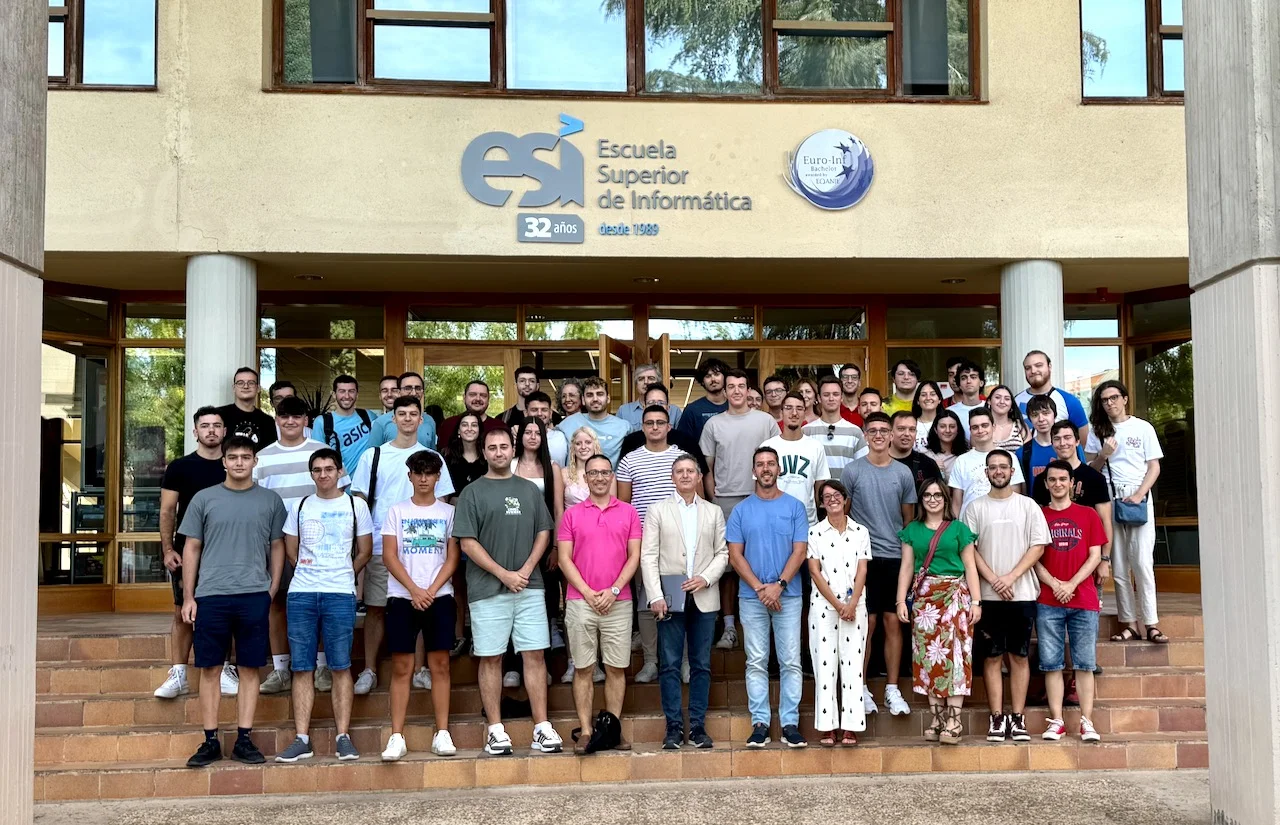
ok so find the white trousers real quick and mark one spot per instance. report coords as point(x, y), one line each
point(837, 647)
point(1133, 549)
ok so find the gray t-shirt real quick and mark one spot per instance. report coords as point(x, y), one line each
point(877, 494)
point(729, 441)
point(505, 515)
point(236, 528)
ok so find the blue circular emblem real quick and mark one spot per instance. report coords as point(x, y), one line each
point(831, 169)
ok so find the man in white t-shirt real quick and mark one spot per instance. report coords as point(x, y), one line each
point(389, 485)
point(970, 378)
point(421, 555)
point(968, 479)
point(802, 461)
point(319, 536)
point(840, 438)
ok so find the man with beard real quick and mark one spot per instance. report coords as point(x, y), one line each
point(526, 385)
point(902, 448)
point(803, 461)
point(475, 397)
point(346, 429)
point(695, 416)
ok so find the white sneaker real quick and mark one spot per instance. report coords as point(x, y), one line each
point(498, 743)
point(598, 676)
point(636, 642)
point(684, 671)
point(511, 679)
point(647, 674)
point(728, 639)
point(1088, 733)
point(442, 744)
point(422, 679)
point(869, 702)
point(557, 638)
point(280, 681)
point(894, 701)
point(367, 681)
point(567, 678)
point(396, 749)
point(230, 680)
point(323, 679)
point(545, 739)
point(175, 684)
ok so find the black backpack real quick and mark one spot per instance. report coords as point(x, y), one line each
point(354, 524)
point(330, 437)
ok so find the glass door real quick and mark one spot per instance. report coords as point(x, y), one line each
point(447, 368)
point(794, 362)
point(616, 362)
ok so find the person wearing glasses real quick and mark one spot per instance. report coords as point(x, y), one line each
point(658, 394)
point(850, 382)
point(906, 377)
point(775, 389)
point(646, 375)
point(242, 417)
point(803, 460)
point(384, 429)
point(1125, 449)
point(840, 438)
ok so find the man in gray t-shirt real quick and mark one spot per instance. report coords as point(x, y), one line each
point(235, 547)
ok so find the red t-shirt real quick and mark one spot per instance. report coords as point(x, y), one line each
point(1072, 532)
point(851, 416)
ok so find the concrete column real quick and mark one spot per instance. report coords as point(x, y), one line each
point(1233, 177)
point(1030, 317)
point(222, 328)
point(23, 83)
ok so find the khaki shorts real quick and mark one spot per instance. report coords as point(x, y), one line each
point(592, 636)
point(375, 582)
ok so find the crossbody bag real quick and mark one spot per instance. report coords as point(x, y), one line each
point(924, 568)
point(1122, 511)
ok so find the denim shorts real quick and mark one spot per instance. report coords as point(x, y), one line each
point(520, 618)
point(312, 616)
point(1055, 625)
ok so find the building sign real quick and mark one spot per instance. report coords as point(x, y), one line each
point(831, 169)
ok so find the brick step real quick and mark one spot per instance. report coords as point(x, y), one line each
point(470, 768)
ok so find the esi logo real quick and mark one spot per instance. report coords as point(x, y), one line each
point(831, 169)
point(527, 156)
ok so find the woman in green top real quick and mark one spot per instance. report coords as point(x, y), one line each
point(945, 608)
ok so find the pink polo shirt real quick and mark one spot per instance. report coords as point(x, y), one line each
point(599, 542)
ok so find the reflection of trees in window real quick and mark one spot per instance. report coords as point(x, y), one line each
point(1164, 396)
point(155, 413)
point(562, 330)
point(463, 330)
point(445, 385)
point(1094, 55)
point(719, 46)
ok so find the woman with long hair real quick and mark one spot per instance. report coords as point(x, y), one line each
point(1125, 449)
point(583, 444)
point(1010, 430)
point(533, 463)
point(946, 441)
point(809, 392)
point(925, 408)
point(940, 577)
point(463, 455)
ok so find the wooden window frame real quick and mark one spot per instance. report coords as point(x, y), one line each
point(1156, 33)
point(368, 18)
point(71, 14)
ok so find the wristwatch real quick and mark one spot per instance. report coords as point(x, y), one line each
point(782, 583)
point(616, 591)
point(1107, 559)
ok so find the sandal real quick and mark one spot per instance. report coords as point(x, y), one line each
point(849, 738)
point(934, 729)
point(828, 739)
point(954, 729)
point(1156, 637)
point(1126, 635)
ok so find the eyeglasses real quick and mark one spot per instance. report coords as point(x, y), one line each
point(933, 497)
point(243, 384)
point(655, 423)
point(835, 498)
point(880, 431)
point(598, 473)
point(776, 391)
point(1108, 399)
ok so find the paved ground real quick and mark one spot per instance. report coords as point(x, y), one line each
point(1110, 798)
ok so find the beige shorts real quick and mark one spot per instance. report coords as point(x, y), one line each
point(592, 636)
point(375, 582)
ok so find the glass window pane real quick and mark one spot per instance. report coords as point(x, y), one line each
point(142, 562)
point(684, 384)
point(807, 62)
point(444, 385)
point(1171, 12)
point(446, 53)
point(120, 42)
point(868, 11)
point(703, 48)
point(935, 48)
point(155, 321)
point(82, 316)
point(469, 6)
point(1173, 80)
point(1176, 545)
point(462, 323)
point(577, 323)
point(703, 323)
point(1162, 393)
point(334, 322)
point(1113, 48)
point(1085, 369)
point(57, 48)
point(1091, 321)
point(73, 438)
point(814, 324)
point(537, 31)
point(1161, 316)
point(933, 364)
point(954, 322)
point(320, 41)
point(154, 431)
point(312, 370)
point(67, 562)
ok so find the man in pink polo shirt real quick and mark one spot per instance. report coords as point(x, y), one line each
point(599, 552)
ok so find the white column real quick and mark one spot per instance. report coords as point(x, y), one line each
point(1233, 174)
point(222, 328)
point(1030, 318)
point(23, 85)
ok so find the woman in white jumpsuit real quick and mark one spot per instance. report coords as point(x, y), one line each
point(839, 550)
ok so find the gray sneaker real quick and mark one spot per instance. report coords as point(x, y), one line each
point(280, 681)
point(298, 750)
point(345, 749)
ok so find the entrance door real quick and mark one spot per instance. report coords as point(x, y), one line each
point(660, 354)
point(616, 362)
point(446, 369)
point(794, 362)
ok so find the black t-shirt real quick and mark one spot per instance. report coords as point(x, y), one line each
point(1088, 488)
point(187, 476)
point(634, 441)
point(921, 466)
point(255, 425)
point(464, 472)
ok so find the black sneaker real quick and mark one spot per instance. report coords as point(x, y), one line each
point(793, 738)
point(759, 736)
point(674, 738)
point(1018, 728)
point(999, 728)
point(247, 752)
point(360, 608)
point(210, 751)
point(698, 737)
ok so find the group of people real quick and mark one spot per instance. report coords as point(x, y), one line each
point(824, 507)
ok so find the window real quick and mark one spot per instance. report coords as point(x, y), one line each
point(759, 48)
point(76, 316)
point(462, 323)
point(102, 43)
point(911, 323)
point(73, 438)
point(1085, 369)
point(1131, 49)
point(1163, 394)
point(326, 322)
point(1091, 321)
point(815, 324)
point(703, 323)
point(155, 427)
point(586, 323)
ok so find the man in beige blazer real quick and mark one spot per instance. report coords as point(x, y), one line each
point(684, 547)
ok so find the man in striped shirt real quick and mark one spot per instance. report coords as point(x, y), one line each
point(283, 468)
point(841, 438)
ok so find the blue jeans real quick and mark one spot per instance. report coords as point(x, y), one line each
point(699, 628)
point(757, 621)
point(312, 615)
point(1056, 625)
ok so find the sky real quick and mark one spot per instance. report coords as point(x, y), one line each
point(1122, 24)
point(119, 43)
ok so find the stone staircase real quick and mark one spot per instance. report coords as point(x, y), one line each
point(101, 735)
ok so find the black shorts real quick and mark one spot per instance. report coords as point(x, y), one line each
point(882, 585)
point(1005, 628)
point(221, 619)
point(405, 622)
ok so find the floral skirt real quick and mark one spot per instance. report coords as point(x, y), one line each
point(941, 638)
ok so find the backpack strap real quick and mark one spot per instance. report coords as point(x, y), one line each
point(328, 432)
point(373, 478)
point(364, 418)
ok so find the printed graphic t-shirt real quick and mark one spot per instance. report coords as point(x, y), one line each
point(325, 542)
point(1071, 533)
point(422, 542)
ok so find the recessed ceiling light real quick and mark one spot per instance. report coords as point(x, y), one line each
point(309, 277)
point(953, 280)
point(646, 280)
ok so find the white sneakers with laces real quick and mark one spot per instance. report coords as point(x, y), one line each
point(229, 681)
point(396, 748)
point(498, 742)
point(442, 744)
point(366, 682)
point(869, 702)
point(894, 701)
point(1055, 731)
point(1087, 732)
point(545, 739)
point(511, 679)
point(728, 639)
point(648, 673)
point(175, 684)
point(422, 679)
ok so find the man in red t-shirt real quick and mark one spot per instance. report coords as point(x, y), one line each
point(1068, 606)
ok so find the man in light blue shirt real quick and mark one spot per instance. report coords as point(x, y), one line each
point(610, 429)
point(384, 428)
point(347, 428)
point(633, 412)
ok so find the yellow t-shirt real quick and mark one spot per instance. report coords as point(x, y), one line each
point(893, 404)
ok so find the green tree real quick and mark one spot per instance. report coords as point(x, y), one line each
point(297, 41)
point(1094, 55)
